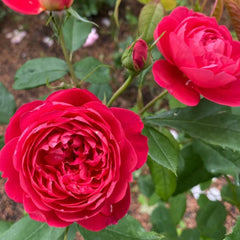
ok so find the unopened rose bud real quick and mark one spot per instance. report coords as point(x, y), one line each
point(136, 57)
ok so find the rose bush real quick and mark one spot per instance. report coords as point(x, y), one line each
point(70, 159)
point(37, 6)
point(201, 59)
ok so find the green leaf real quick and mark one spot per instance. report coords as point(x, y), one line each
point(235, 235)
point(102, 91)
point(210, 220)
point(146, 185)
point(208, 121)
point(28, 229)
point(72, 231)
point(1, 142)
point(164, 180)
point(191, 170)
point(190, 234)
point(218, 160)
point(75, 33)
point(174, 103)
point(177, 207)
point(231, 193)
point(150, 15)
point(39, 71)
point(161, 149)
point(127, 228)
point(7, 105)
point(4, 226)
point(92, 70)
point(169, 4)
point(162, 222)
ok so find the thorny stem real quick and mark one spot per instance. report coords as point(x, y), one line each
point(121, 90)
point(66, 233)
point(151, 103)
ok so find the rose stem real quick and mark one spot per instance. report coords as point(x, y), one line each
point(121, 89)
point(151, 103)
point(66, 233)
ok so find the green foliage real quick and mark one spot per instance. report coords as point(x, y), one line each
point(231, 193)
point(7, 106)
point(39, 71)
point(4, 225)
point(28, 229)
point(161, 149)
point(127, 229)
point(75, 33)
point(235, 235)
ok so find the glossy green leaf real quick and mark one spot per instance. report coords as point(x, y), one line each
point(231, 193)
point(162, 222)
point(218, 160)
point(102, 91)
point(4, 226)
point(208, 121)
point(150, 15)
point(235, 235)
point(210, 220)
point(127, 228)
point(190, 234)
point(191, 170)
point(75, 33)
point(178, 205)
point(7, 105)
point(92, 70)
point(39, 71)
point(161, 149)
point(28, 229)
point(164, 180)
point(146, 185)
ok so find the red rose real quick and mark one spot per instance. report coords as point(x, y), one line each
point(70, 159)
point(37, 6)
point(201, 59)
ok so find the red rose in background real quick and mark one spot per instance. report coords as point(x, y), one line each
point(37, 6)
point(201, 59)
point(70, 159)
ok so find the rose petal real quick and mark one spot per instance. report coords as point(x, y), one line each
point(170, 77)
point(206, 78)
point(228, 95)
point(76, 97)
point(101, 221)
point(132, 126)
point(14, 129)
point(12, 186)
point(25, 7)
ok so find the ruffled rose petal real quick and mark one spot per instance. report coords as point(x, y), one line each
point(26, 7)
point(170, 77)
point(100, 221)
point(76, 97)
point(228, 95)
point(13, 129)
point(12, 186)
point(206, 78)
point(132, 126)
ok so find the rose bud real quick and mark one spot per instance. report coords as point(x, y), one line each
point(70, 159)
point(201, 59)
point(37, 6)
point(136, 56)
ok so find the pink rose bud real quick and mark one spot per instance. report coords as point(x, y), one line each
point(37, 6)
point(136, 56)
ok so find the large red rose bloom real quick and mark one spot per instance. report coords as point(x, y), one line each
point(70, 159)
point(201, 59)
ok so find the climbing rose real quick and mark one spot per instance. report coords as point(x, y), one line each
point(70, 159)
point(201, 59)
point(37, 6)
